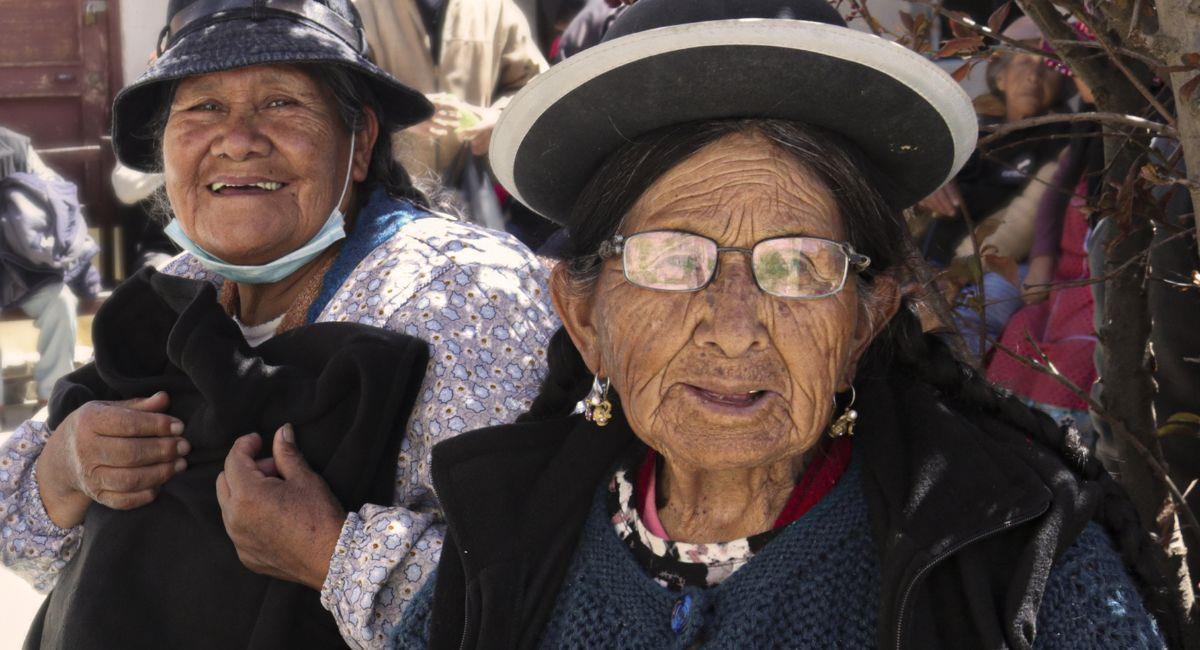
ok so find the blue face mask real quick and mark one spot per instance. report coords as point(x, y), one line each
point(276, 270)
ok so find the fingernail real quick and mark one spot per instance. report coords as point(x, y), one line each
point(176, 428)
point(183, 447)
point(180, 465)
point(289, 435)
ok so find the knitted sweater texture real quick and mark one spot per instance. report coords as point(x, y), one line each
point(816, 585)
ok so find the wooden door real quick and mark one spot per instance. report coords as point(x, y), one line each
point(59, 67)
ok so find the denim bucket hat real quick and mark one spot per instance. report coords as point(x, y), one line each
point(667, 62)
point(205, 36)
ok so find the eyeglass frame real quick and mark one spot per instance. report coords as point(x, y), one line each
point(615, 246)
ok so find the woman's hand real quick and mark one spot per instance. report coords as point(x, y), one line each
point(479, 134)
point(944, 202)
point(114, 453)
point(1037, 282)
point(282, 517)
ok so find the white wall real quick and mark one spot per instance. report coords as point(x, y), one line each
point(141, 21)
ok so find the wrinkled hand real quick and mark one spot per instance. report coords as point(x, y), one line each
point(282, 517)
point(945, 201)
point(114, 453)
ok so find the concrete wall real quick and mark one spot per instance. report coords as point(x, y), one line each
point(141, 21)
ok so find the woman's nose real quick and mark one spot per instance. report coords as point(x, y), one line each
point(734, 322)
point(240, 139)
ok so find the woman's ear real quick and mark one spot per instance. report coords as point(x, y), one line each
point(875, 311)
point(364, 145)
point(574, 307)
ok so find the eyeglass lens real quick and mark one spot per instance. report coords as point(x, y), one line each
point(669, 261)
point(789, 267)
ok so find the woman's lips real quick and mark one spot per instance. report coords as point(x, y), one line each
point(246, 189)
point(737, 402)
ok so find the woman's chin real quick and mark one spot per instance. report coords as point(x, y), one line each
point(716, 439)
point(246, 245)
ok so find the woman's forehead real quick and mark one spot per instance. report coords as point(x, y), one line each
point(741, 186)
point(257, 78)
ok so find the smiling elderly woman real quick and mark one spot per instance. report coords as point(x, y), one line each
point(766, 451)
point(272, 130)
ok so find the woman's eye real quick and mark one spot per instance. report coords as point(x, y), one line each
point(206, 106)
point(280, 103)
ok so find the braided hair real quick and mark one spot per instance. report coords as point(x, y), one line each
point(874, 229)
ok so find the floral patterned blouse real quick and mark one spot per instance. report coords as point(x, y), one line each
point(479, 298)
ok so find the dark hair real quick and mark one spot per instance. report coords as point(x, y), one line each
point(872, 228)
point(353, 95)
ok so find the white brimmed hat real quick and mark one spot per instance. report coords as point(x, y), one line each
point(666, 62)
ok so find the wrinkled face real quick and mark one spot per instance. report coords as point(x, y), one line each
point(727, 376)
point(255, 159)
point(1029, 86)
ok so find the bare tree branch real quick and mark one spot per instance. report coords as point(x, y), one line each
point(1082, 15)
point(983, 30)
point(1123, 51)
point(1117, 426)
point(1000, 130)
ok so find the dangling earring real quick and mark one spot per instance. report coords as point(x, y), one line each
point(596, 407)
point(844, 425)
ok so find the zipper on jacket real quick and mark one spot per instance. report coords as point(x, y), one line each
point(947, 553)
point(462, 643)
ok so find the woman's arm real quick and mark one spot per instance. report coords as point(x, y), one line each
point(488, 328)
point(30, 544)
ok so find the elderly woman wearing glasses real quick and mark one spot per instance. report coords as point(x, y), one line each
point(745, 439)
point(287, 425)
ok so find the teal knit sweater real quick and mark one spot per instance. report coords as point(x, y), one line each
point(816, 585)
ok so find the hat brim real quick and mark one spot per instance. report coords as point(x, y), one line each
point(908, 117)
point(233, 44)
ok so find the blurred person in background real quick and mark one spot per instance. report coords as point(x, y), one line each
point(144, 243)
point(469, 57)
point(999, 188)
point(45, 256)
point(589, 26)
point(1057, 311)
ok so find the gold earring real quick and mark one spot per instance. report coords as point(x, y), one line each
point(844, 425)
point(596, 407)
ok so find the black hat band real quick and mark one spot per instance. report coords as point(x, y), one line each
point(205, 12)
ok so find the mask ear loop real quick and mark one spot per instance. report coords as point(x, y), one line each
point(349, 173)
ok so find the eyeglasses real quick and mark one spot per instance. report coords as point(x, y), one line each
point(799, 268)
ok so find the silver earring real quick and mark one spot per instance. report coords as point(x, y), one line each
point(844, 425)
point(596, 407)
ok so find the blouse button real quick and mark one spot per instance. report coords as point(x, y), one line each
point(681, 613)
